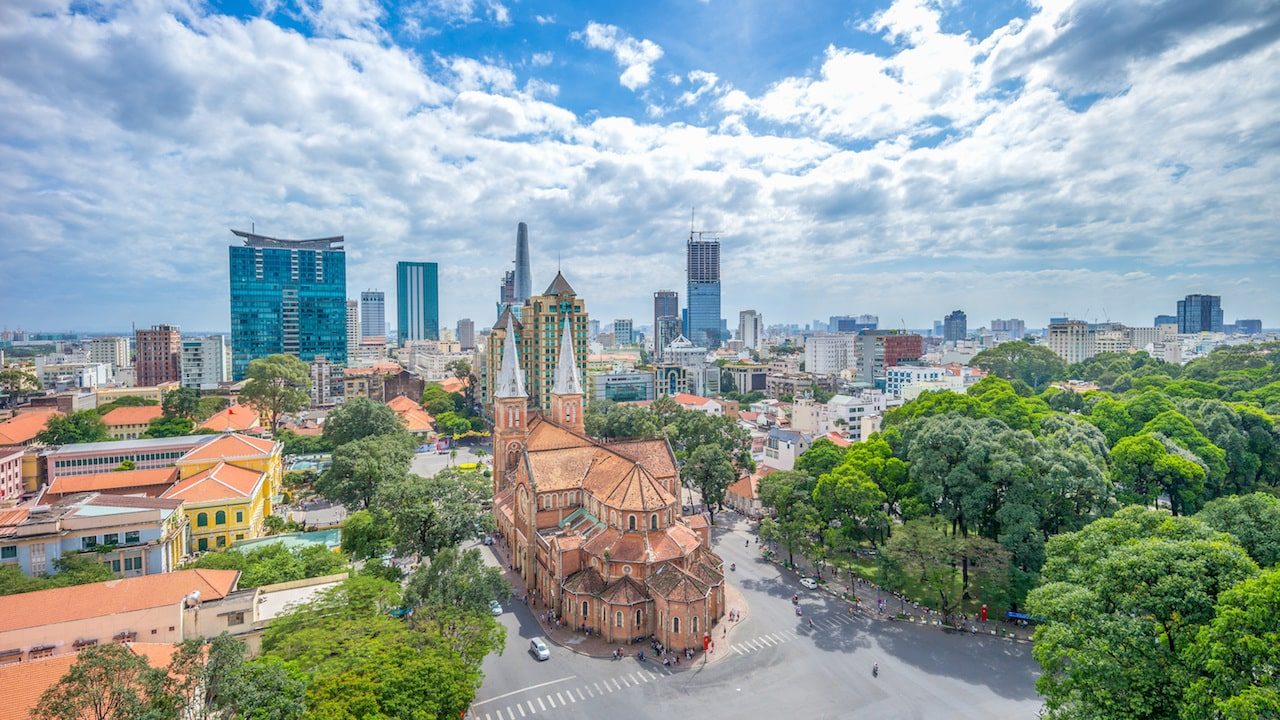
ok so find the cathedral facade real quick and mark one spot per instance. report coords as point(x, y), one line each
point(595, 528)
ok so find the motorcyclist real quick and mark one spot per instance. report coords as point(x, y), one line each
point(733, 566)
point(875, 669)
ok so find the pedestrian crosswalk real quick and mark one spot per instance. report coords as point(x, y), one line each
point(543, 704)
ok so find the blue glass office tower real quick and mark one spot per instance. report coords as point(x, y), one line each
point(703, 322)
point(417, 301)
point(1200, 313)
point(287, 296)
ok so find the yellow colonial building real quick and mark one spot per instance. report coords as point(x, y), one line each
point(227, 487)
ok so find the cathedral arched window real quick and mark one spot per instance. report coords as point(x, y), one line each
point(631, 522)
point(584, 610)
point(695, 625)
point(675, 625)
point(653, 521)
point(638, 616)
point(617, 619)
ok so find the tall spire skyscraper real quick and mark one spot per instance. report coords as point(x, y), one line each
point(524, 276)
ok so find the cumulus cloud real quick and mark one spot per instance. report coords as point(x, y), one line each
point(635, 57)
point(425, 15)
point(134, 136)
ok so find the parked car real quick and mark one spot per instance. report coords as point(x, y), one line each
point(495, 607)
point(809, 583)
point(487, 540)
point(538, 648)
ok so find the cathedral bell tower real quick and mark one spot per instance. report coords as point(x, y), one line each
point(510, 413)
point(568, 402)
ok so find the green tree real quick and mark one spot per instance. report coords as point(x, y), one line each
point(165, 426)
point(19, 381)
point(69, 570)
point(84, 426)
point(451, 423)
point(274, 563)
point(891, 474)
point(1035, 365)
point(610, 421)
point(181, 403)
point(125, 401)
point(108, 682)
point(438, 512)
point(359, 467)
point(1253, 520)
point(438, 402)
point(366, 534)
point(925, 552)
point(1176, 427)
point(790, 495)
point(457, 579)
point(689, 430)
point(821, 458)
point(1124, 597)
point(360, 418)
point(463, 371)
point(275, 386)
point(710, 472)
point(1113, 419)
point(211, 405)
point(1147, 466)
point(1235, 661)
point(848, 498)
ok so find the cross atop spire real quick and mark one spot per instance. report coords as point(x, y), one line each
point(567, 380)
point(510, 379)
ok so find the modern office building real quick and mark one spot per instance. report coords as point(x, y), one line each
point(851, 323)
point(1248, 327)
point(879, 350)
point(113, 351)
point(353, 326)
point(467, 334)
point(206, 362)
point(1072, 340)
point(537, 328)
point(1165, 320)
point(417, 301)
point(373, 313)
point(830, 354)
point(1015, 328)
point(522, 281)
point(620, 386)
point(666, 304)
point(623, 332)
point(750, 329)
point(954, 326)
point(703, 321)
point(287, 296)
point(507, 293)
point(159, 350)
point(1200, 313)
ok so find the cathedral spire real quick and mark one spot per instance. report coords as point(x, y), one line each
point(510, 379)
point(567, 380)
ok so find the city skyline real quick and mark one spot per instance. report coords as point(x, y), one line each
point(860, 141)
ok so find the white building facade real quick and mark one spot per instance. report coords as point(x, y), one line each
point(205, 362)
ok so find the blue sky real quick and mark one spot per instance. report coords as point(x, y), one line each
point(901, 157)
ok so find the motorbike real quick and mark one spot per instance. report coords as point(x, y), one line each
point(798, 611)
point(733, 566)
point(875, 670)
point(795, 599)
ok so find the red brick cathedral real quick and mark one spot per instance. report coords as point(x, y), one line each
point(595, 527)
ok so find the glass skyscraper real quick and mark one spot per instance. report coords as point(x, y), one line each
point(417, 301)
point(703, 322)
point(1200, 313)
point(287, 296)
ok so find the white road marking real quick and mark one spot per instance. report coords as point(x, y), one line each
point(617, 685)
point(510, 715)
point(560, 698)
point(589, 692)
point(532, 710)
point(768, 640)
point(521, 709)
point(638, 678)
point(516, 692)
point(544, 707)
point(624, 682)
point(598, 688)
point(653, 676)
point(580, 695)
point(735, 649)
point(781, 637)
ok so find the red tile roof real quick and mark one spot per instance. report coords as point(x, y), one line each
point(220, 482)
point(234, 418)
point(82, 602)
point(24, 682)
point(230, 446)
point(160, 478)
point(140, 415)
point(21, 428)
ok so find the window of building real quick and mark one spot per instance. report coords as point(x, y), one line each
point(132, 536)
point(675, 625)
point(694, 624)
point(653, 521)
point(239, 516)
point(202, 544)
point(617, 619)
point(132, 564)
point(113, 565)
point(88, 543)
point(222, 541)
point(638, 618)
point(111, 539)
point(239, 536)
point(584, 608)
point(8, 552)
point(631, 522)
point(235, 618)
point(202, 519)
point(220, 517)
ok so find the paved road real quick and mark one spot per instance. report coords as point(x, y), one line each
point(428, 464)
point(777, 666)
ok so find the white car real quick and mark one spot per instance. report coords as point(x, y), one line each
point(538, 648)
point(809, 583)
point(495, 607)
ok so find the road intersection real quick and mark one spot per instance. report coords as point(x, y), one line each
point(773, 663)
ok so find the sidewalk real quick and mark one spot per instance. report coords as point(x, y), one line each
point(897, 608)
point(598, 647)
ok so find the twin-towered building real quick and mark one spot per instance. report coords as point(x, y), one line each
point(595, 528)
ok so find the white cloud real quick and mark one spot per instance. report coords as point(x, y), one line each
point(703, 82)
point(428, 13)
point(130, 143)
point(545, 19)
point(635, 57)
point(542, 59)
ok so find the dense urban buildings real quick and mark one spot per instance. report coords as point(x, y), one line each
point(1200, 313)
point(1014, 328)
point(1249, 327)
point(159, 354)
point(113, 351)
point(879, 350)
point(666, 319)
point(417, 301)
point(373, 314)
point(206, 362)
point(830, 354)
point(703, 321)
point(851, 323)
point(536, 329)
point(955, 326)
point(287, 296)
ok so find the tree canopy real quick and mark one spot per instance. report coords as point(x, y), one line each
point(275, 386)
point(84, 426)
point(359, 418)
